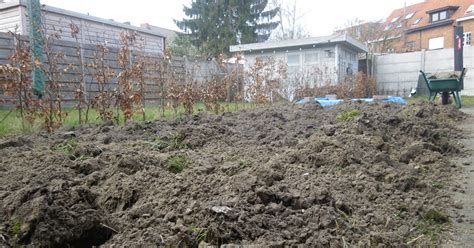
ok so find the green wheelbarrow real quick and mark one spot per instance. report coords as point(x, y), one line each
point(450, 85)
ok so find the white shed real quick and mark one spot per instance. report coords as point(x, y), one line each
point(335, 55)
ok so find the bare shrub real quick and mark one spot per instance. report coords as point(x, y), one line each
point(264, 79)
point(103, 74)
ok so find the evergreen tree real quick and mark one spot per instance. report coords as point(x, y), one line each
point(214, 25)
point(182, 46)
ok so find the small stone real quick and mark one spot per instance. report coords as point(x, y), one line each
point(458, 205)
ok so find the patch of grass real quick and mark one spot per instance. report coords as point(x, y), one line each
point(245, 163)
point(348, 115)
point(13, 124)
point(68, 148)
point(157, 145)
point(436, 217)
point(177, 164)
point(175, 142)
point(401, 213)
point(198, 234)
point(432, 225)
point(15, 228)
point(467, 101)
point(437, 185)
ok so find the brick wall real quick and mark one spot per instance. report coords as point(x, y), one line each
point(423, 37)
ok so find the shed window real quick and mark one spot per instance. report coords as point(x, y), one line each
point(293, 59)
point(329, 53)
point(311, 58)
point(294, 64)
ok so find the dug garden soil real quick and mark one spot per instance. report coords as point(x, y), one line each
point(357, 174)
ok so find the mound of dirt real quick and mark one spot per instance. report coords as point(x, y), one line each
point(351, 175)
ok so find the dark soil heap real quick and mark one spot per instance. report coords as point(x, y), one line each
point(355, 174)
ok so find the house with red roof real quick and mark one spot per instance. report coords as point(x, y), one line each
point(429, 25)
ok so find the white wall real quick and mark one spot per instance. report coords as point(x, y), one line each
point(320, 71)
point(396, 74)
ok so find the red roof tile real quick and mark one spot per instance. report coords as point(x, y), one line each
point(420, 10)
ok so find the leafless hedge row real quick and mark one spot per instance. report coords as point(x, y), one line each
point(117, 82)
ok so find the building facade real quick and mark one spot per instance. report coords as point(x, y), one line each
point(429, 25)
point(93, 30)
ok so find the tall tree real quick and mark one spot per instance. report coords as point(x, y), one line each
point(182, 46)
point(289, 18)
point(373, 34)
point(214, 25)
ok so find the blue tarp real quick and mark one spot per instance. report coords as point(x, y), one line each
point(327, 102)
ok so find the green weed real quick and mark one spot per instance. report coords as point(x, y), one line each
point(175, 142)
point(401, 213)
point(433, 224)
point(15, 229)
point(437, 185)
point(68, 148)
point(199, 234)
point(348, 115)
point(436, 217)
point(177, 164)
point(245, 163)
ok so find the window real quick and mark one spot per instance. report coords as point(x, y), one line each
point(293, 59)
point(467, 39)
point(388, 27)
point(470, 9)
point(311, 58)
point(329, 53)
point(395, 19)
point(436, 43)
point(400, 25)
point(349, 70)
point(417, 21)
point(294, 63)
point(410, 15)
point(443, 15)
point(411, 45)
point(439, 16)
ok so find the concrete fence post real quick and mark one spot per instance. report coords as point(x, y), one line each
point(423, 60)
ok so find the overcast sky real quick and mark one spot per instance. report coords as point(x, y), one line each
point(320, 17)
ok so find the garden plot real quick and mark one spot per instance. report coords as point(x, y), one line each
point(351, 175)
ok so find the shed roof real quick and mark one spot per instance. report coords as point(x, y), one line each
point(332, 39)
